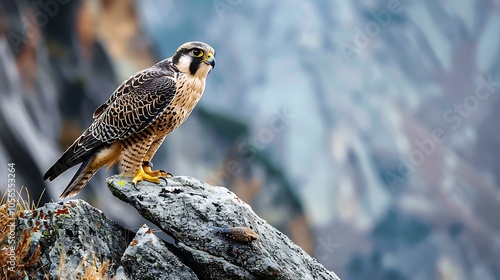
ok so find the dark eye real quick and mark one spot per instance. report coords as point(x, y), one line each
point(197, 52)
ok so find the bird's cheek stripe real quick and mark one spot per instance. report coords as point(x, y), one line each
point(193, 67)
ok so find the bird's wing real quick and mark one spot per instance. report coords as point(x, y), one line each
point(133, 106)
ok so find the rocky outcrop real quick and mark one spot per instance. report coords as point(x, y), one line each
point(148, 257)
point(60, 240)
point(216, 236)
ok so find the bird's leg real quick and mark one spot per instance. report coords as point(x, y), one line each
point(147, 165)
point(143, 176)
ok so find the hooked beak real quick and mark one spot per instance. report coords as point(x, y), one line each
point(210, 60)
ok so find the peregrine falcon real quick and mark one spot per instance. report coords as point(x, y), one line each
point(131, 125)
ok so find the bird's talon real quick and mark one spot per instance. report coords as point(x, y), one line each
point(164, 179)
point(155, 173)
point(110, 127)
point(134, 184)
point(165, 174)
point(142, 175)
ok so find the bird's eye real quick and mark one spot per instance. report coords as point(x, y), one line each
point(197, 53)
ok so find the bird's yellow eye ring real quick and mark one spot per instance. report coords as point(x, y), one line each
point(197, 53)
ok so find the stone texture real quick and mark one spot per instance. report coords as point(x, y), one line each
point(147, 257)
point(66, 239)
point(216, 236)
point(192, 211)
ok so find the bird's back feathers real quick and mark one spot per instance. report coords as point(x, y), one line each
point(134, 105)
point(129, 122)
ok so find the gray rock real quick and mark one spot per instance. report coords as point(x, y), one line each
point(147, 257)
point(199, 218)
point(70, 239)
point(216, 236)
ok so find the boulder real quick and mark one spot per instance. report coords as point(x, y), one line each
point(215, 236)
point(206, 223)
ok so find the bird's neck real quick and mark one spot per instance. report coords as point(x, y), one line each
point(196, 83)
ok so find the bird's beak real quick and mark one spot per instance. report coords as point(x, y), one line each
point(210, 60)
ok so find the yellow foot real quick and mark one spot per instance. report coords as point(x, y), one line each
point(141, 175)
point(146, 166)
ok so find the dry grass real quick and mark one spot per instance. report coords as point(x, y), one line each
point(18, 249)
point(15, 250)
point(95, 271)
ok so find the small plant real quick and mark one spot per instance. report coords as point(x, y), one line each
point(16, 252)
point(20, 258)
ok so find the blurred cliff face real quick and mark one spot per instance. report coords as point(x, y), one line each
point(50, 82)
point(376, 119)
point(62, 58)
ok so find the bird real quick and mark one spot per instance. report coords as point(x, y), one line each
point(131, 125)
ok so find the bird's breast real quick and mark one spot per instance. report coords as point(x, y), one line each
point(188, 92)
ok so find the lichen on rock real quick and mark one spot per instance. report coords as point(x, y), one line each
point(189, 210)
point(216, 236)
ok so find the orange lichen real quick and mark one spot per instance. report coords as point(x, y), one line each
point(21, 258)
point(19, 254)
point(134, 243)
point(63, 211)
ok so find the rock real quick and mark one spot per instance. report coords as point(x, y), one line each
point(147, 257)
point(200, 217)
point(216, 236)
point(66, 239)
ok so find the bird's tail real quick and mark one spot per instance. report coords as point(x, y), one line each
point(81, 178)
point(57, 169)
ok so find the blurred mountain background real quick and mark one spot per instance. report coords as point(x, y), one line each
point(364, 130)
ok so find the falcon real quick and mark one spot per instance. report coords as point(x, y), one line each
point(131, 125)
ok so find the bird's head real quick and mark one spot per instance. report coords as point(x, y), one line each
point(195, 59)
